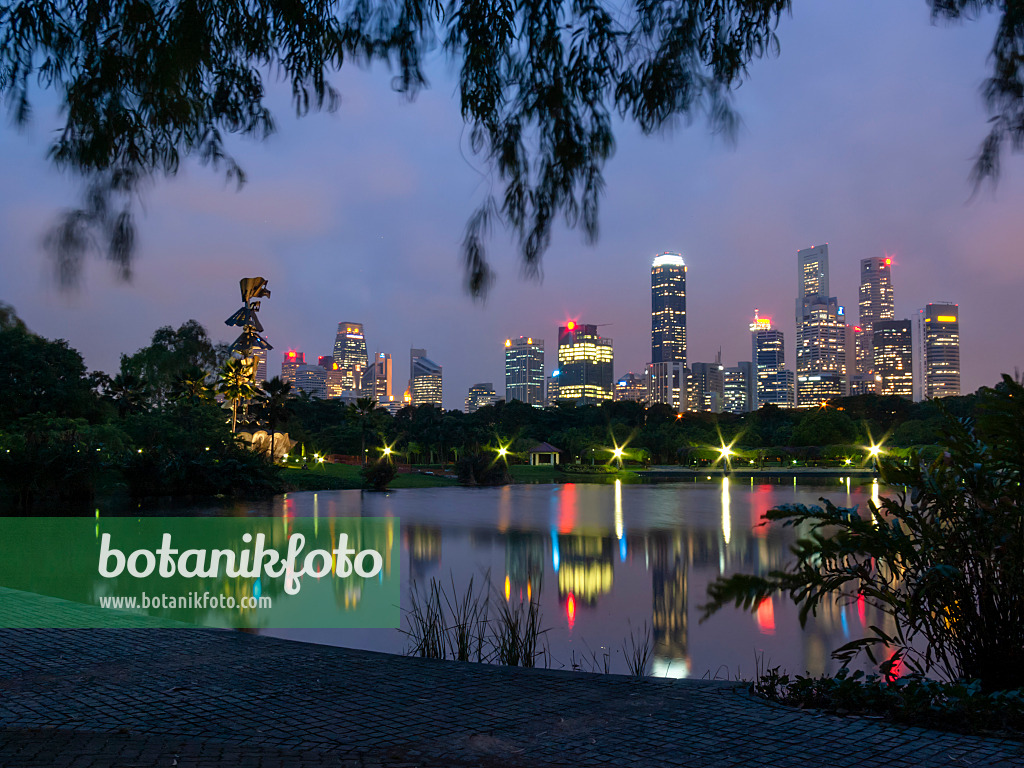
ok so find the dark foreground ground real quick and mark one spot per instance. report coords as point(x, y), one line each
point(205, 698)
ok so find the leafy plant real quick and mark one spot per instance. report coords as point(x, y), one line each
point(943, 557)
point(378, 475)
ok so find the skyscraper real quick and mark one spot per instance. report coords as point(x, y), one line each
point(940, 345)
point(524, 370)
point(292, 360)
point(667, 374)
point(768, 352)
point(812, 276)
point(350, 354)
point(261, 365)
point(820, 332)
point(425, 385)
point(668, 308)
point(739, 387)
point(875, 303)
point(377, 381)
point(892, 358)
point(480, 395)
point(584, 364)
point(631, 387)
point(708, 386)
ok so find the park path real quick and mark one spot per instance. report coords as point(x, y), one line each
point(138, 698)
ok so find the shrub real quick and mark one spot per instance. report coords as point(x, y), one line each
point(944, 557)
point(482, 469)
point(378, 475)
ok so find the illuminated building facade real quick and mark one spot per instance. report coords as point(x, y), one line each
point(940, 346)
point(311, 379)
point(708, 386)
point(774, 383)
point(631, 387)
point(551, 395)
point(892, 356)
point(524, 370)
point(425, 387)
point(584, 364)
point(668, 331)
point(378, 379)
point(875, 303)
point(292, 360)
point(669, 383)
point(738, 388)
point(350, 354)
point(821, 332)
point(479, 396)
point(261, 365)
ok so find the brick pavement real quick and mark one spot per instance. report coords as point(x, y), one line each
point(109, 698)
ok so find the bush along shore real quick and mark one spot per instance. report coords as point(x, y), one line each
point(942, 558)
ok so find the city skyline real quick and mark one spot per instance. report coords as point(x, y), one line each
point(372, 231)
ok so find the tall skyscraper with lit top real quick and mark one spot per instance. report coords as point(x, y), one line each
point(821, 364)
point(584, 364)
point(774, 383)
point(668, 374)
point(350, 354)
point(524, 370)
point(875, 303)
point(940, 345)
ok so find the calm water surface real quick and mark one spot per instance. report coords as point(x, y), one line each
point(605, 561)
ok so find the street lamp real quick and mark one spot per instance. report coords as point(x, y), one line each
point(617, 453)
point(726, 453)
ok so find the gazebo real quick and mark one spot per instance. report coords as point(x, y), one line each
point(545, 453)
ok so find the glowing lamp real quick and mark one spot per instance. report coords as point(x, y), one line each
point(570, 325)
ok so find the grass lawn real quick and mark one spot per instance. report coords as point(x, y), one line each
point(330, 477)
point(524, 473)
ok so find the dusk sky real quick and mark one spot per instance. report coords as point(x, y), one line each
point(861, 134)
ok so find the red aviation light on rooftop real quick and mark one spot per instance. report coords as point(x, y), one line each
point(571, 324)
point(291, 355)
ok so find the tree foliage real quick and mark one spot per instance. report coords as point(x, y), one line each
point(943, 556)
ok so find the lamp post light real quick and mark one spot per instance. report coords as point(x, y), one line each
point(617, 453)
point(873, 452)
point(727, 454)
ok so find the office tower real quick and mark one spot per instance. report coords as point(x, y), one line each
point(821, 337)
point(940, 345)
point(350, 354)
point(667, 372)
point(812, 275)
point(311, 379)
point(669, 383)
point(551, 395)
point(584, 364)
point(892, 357)
point(326, 361)
point(768, 351)
point(875, 303)
point(738, 384)
point(708, 390)
point(292, 360)
point(377, 379)
point(261, 365)
point(631, 387)
point(425, 387)
point(524, 370)
point(479, 396)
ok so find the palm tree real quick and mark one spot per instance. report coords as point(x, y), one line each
point(277, 407)
point(191, 386)
point(235, 382)
point(128, 391)
point(362, 411)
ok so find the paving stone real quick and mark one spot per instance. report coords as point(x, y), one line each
point(197, 698)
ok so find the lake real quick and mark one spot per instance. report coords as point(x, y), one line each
point(605, 562)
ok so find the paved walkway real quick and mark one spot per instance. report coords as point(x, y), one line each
point(203, 698)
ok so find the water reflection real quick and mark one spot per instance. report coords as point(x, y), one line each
point(604, 560)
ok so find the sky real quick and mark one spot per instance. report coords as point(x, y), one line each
point(860, 134)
